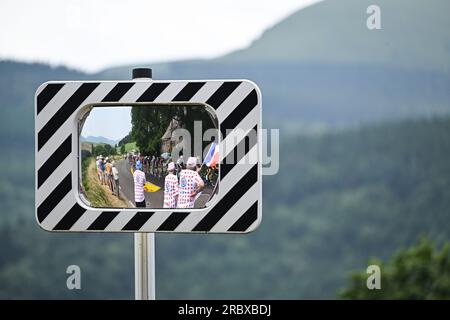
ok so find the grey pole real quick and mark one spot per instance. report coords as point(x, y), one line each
point(144, 266)
point(144, 243)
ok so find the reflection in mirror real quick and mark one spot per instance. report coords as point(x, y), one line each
point(148, 156)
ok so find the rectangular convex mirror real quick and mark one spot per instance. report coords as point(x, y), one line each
point(200, 136)
point(161, 156)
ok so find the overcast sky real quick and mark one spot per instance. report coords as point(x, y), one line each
point(92, 35)
point(110, 122)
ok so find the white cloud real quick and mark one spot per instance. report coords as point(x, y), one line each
point(92, 35)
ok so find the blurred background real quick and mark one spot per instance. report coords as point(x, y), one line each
point(364, 119)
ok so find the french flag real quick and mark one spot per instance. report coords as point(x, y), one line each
point(212, 157)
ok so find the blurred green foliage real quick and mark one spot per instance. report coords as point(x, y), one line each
point(419, 272)
point(339, 199)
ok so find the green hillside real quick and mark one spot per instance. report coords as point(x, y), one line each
point(339, 199)
point(130, 147)
point(414, 34)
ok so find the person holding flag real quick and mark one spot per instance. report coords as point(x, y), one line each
point(211, 160)
point(212, 157)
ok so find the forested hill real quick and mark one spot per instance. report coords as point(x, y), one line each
point(338, 199)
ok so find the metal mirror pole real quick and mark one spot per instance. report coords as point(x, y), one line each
point(144, 266)
point(144, 243)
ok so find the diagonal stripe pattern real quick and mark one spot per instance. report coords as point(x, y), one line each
point(65, 112)
point(236, 103)
point(46, 95)
point(55, 159)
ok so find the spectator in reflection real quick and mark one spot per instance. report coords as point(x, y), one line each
point(139, 182)
point(191, 184)
point(170, 187)
point(98, 164)
point(115, 174)
point(103, 168)
point(108, 174)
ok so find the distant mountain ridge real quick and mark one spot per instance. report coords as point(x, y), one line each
point(99, 139)
point(414, 34)
point(320, 67)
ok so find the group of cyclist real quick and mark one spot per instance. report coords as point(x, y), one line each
point(157, 166)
